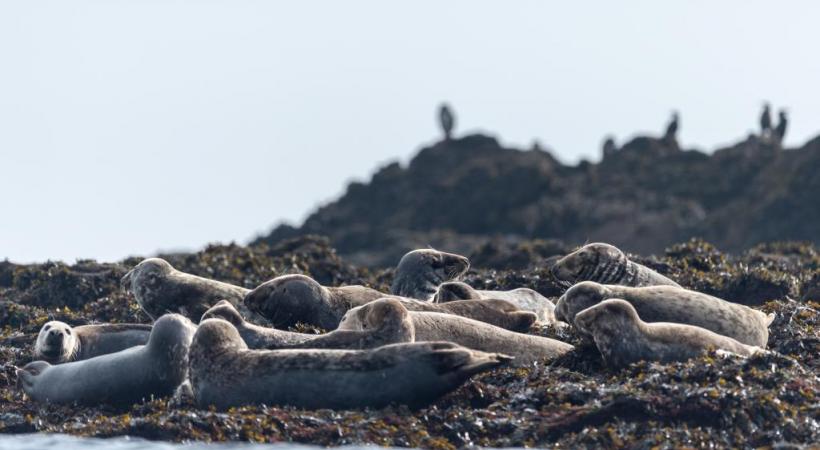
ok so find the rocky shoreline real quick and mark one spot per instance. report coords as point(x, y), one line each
point(575, 401)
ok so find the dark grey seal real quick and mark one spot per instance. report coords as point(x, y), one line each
point(623, 338)
point(225, 373)
point(121, 378)
point(420, 272)
point(159, 289)
point(255, 336)
point(58, 342)
point(430, 326)
point(605, 264)
point(673, 304)
point(292, 299)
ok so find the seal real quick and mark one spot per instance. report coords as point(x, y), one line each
point(430, 326)
point(291, 299)
point(421, 271)
point(386, 322)
point(673, 304)
point(623, 338)
point(58, 342)
point(225, 373)
point(605, 264)
point(159, 288)
point(122, 378)
point(255, 336)
point(524, 299)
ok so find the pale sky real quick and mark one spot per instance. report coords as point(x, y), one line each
point(127, 127)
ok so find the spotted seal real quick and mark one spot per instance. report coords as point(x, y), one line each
point(420, 272)
point(623, 338)
point(291, 299)
point(432, 326)
point(255, 336)
point(58, 342)
point(673, 304)
point(225, 373)
point(122, 378)
point(605, 264)
point(524, 298)
point(159, 288)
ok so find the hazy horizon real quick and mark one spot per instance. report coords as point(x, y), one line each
point(132, 127)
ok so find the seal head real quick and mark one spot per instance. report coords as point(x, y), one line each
point(56, 342)
point(420, 272)
point(291, 299)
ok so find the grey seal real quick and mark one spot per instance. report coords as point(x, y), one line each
point(122, 378)
point(255, 336)
point(421, 271)
point(225, 373)
point(159, 288)
point(673, 304)
point(623, 338)
point(524, 299)
point(431, 326)
point(605, 264)
point(58, 342)
point(291, 299)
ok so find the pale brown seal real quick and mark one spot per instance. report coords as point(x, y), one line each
point(673, 304)
point(122, 378)
point(605, 264)
point(255, 336)
point(386, 322)
point(430, 326)
point(524, 299)
point(159, 289)
point(623, 338)
point(58, 342)
point(225, 373)
point(291, 299)
point(420, 272)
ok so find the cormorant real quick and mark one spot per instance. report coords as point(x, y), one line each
point(446, 120)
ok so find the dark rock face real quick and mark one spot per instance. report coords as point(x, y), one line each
point(645, 196)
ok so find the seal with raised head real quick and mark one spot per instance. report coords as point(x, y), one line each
point(420, 272)
point(623, 338)
point(431, 326)
point(524, 299)
point(159, 288)
point(673, 304)
point(605, 264)
point(255, 336)
point(291, 299)
point(122, 378)
point(225, 373)
point(386, 322)
point(58, 342)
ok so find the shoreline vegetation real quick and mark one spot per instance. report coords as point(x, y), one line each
point(575, 401)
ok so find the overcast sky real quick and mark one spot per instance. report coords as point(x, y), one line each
point(132, 126)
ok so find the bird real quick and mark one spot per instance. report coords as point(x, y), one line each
point(447, 120)
point(780, 130)
point(609, 146)
point(672, 128)
point(765, 121)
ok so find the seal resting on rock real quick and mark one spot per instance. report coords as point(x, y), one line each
point(121, 378)
point(159, 289)
point(420, 272)
point(431, 326)
point(605, 264)
point(255, 336)
point(58, 342)
point(524, 299)
point(673, 304)
point(623, 338)
point(290, 299)
point(225, 373)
